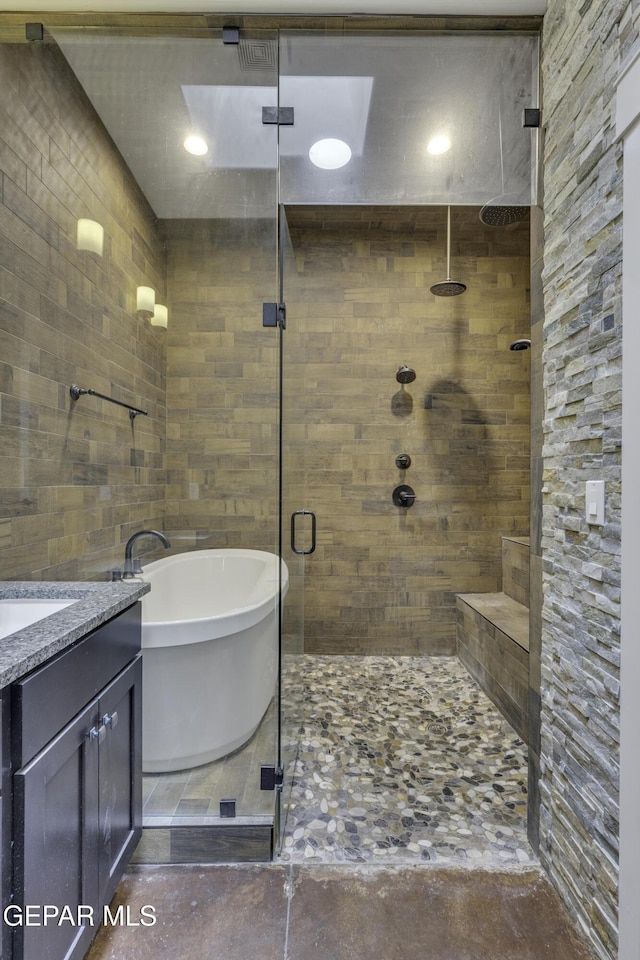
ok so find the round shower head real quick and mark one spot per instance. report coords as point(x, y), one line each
point(448, 288)
point(523, 344)
point(405, 374)
point(501, 216)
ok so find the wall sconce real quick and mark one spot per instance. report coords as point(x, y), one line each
point(160, 316)
point(145, 300)
point(90, 236)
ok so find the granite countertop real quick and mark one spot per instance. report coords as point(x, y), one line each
point(96, 603)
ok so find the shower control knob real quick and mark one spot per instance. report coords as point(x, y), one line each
point(404, 496)
point(403, 460)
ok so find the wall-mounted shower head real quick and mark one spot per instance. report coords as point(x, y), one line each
point(522, 344)
point(405, 374)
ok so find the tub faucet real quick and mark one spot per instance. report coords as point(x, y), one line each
point(131, 566)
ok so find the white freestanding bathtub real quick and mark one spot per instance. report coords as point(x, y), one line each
point(209, 653)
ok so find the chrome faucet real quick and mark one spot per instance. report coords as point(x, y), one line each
point(131, 566)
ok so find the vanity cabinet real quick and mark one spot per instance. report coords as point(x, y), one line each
point(77, 787)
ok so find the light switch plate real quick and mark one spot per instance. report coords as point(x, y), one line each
point(594, 502)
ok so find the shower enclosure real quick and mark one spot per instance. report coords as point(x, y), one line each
point(296, 282)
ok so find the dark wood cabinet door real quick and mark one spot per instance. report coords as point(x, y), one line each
point(120, 801)
point(76, 815)
point(57, 842)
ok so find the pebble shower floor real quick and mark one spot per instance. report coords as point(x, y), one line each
point(399, 759)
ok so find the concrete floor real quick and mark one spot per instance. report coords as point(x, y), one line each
point(346, 912)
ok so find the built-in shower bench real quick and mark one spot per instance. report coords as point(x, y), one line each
point(492, 632)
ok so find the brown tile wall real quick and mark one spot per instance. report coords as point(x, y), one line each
point(383, 579)
point(498, 663)
point(222, 387)
point(75, 479)
point(515, 569)
point(78, 479)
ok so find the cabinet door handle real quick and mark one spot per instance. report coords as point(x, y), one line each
point(111, 720)
point(98, 733)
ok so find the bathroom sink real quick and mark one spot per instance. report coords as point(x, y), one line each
point(18, 613)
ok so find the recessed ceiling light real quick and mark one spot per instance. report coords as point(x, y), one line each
point(438, 145)
point(330, 154)
point(196, 145)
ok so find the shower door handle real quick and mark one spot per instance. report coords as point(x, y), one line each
point(303, 513)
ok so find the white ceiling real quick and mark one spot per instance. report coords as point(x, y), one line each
point(303, 7)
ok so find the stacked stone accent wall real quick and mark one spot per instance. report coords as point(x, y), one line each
point(583, 46)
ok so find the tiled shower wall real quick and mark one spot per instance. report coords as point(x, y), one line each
point(222, 384)
point(76, 479)
point(383, 578)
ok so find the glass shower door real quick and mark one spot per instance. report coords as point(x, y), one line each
point(297, 537)
point(175, 162)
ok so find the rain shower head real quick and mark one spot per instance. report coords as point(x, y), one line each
point(501, 210)
point(448, 287)
point(522, 344)
point(500, 215)
point(405, 374)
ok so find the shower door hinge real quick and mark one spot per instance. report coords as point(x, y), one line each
point(274, 315)
point(283, 116)
point(271, 777)
point(531, 117)
point(231, 35)
point(34, 32)
point(227, 809)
